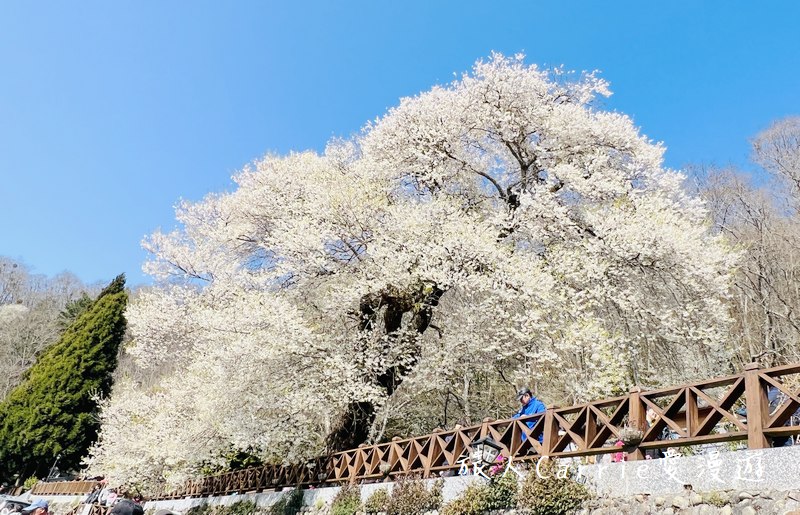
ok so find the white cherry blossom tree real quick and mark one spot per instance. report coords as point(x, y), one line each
point(504, 224)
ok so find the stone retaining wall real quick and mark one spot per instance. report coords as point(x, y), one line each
point(689, 502)
point(751, 470)
point(728, 502)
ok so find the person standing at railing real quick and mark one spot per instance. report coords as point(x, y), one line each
point(650, 419)
point(530, 406)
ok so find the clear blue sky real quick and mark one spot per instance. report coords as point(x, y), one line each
point(112, 111)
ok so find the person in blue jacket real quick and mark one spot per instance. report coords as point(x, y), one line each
point(530, 406)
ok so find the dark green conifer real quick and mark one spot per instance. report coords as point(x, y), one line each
point(53, 412)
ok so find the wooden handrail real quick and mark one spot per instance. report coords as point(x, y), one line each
point(695, 413)
point(64, 487)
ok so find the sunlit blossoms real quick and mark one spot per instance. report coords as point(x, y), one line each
point(502, 226)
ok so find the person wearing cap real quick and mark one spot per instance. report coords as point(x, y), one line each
point(38, 507)
point(530, 406)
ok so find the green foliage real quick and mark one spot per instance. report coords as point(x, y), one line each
point(237, 508)
point(73, 310)
point(289, 504)
point(377, 502)
point(715, 499)
point(411, 496)
point(551, 491)
point(472, 502)
point(347, 500)
point(500, 493)
point(200, 509)
point(53, 411)
point(503, 491)
point(30, 482)
point(242, 508)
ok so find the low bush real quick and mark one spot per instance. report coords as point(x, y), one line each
point(289, 504)
point(500, 493)
point(30, 483)
point(237, 508)
point(410, 496)
point(200, 509)
point(347, 500)
point(241, 508)
point(549, 490)
point(377, 502)
point(503, 492)
point(715, 499)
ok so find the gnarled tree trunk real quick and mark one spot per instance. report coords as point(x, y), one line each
point(390, 304)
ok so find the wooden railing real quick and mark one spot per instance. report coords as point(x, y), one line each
point(94, 509)
point(697, 413)
point(64, 488)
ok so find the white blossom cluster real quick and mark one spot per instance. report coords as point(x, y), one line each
point(565, 250)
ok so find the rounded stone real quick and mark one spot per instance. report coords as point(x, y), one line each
point(680, 502)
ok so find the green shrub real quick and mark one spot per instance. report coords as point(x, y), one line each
point(242, 508)
point(503, 492)
point(347, 500)
point(554, 493)
point(435, 495)
point(200, 509)
point(715, 499)
point(289, 504)
point(377, 502)
point(30, 482)
point(410, 496)
point(471, 502)
point(500, 493)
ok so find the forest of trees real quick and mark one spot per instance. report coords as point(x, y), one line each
point(34, 309)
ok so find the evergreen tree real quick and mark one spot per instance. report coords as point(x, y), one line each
point(52, 412)
point(73, 310)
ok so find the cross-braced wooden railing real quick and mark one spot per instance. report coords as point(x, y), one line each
point(94, 509)
point(64, 487)
point(698, 413)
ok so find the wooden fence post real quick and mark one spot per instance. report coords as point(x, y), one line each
point(757, 407)
point(636, 419)
point(485, 427)
point(550, 434)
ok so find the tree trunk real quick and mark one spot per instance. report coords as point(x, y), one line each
point(354, 426)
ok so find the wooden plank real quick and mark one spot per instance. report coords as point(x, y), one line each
point(782, 431)
point(757, 407)
point(636, 418)
point(782, 370)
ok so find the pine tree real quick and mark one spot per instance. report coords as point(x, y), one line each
point(52, 412)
